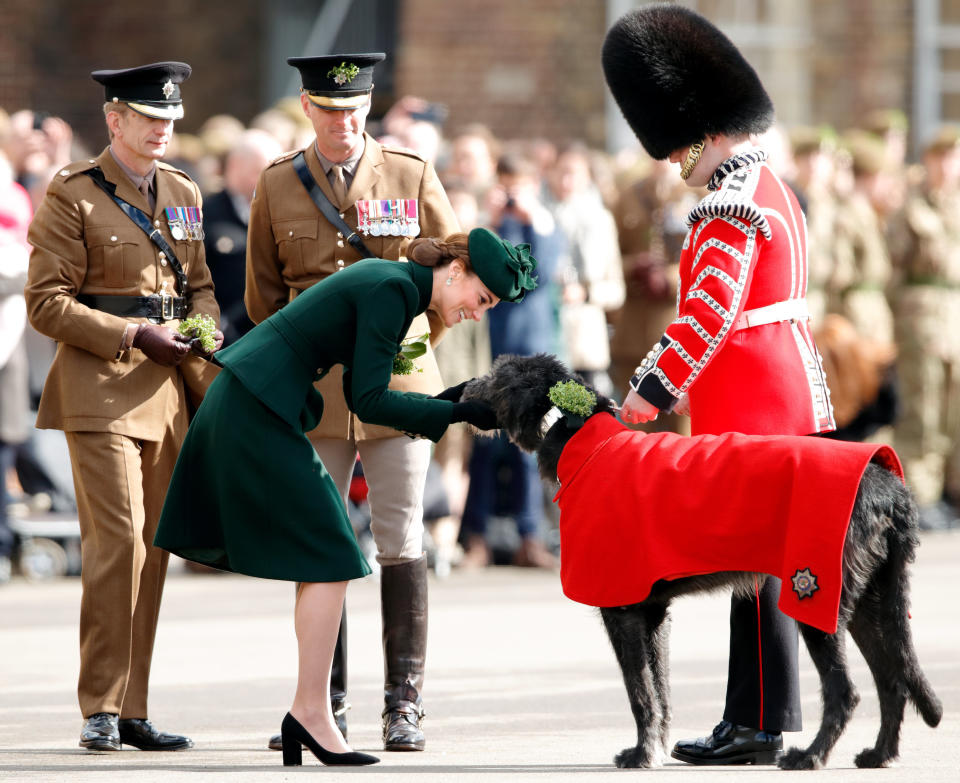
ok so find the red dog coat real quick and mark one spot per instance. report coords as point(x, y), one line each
point(635, 508)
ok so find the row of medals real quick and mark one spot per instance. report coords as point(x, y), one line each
point(185, 223)
point(388, 217)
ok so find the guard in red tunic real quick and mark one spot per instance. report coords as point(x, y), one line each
point(739, 357)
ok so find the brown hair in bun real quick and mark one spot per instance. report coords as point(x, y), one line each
point(430, 251)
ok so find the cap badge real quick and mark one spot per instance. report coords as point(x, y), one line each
point(804, 583)
point(343, 73)
point(168, 89)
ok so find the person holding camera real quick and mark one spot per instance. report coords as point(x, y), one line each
point(516, 213)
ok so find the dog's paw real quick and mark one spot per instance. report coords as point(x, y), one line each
point(635, 758)
point(798, 758)
point(871, 758)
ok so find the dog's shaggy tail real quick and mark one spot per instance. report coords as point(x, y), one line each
point(903, 540)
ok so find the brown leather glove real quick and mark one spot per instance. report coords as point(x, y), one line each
point(160, 344)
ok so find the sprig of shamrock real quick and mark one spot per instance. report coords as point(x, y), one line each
point(201, 327)
point(410, 349)
point(573, 397)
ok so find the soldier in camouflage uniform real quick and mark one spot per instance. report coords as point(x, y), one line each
point(862, 271)
point(925, 245)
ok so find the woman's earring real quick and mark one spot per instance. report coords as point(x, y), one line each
point(449, 281)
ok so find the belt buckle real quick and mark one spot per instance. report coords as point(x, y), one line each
point(166, 307)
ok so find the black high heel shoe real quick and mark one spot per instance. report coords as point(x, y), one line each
point(294, 735)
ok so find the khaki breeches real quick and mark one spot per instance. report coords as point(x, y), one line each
point(396, 471)
point(120, 485)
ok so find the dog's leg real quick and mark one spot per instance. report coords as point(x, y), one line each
point(883, 661)
point(840, 698)
point(658, 658)
point(628, 629)
point(881, 628)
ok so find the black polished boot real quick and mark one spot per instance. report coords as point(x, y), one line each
point(338, 677)
point(338, 685)
point(403, 597)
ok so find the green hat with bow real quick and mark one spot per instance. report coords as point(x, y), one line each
point(506, 269)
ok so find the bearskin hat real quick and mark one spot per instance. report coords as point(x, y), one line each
point(678, 79)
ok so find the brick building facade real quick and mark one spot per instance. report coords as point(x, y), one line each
point(526, 68)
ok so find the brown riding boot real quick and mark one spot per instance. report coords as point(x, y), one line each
point(403, 596)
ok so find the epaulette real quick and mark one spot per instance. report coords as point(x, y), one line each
point(730, 203)
point(72, 169)
point(286, 156)
point(403, 151)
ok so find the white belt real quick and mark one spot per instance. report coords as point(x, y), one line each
point(787, 310)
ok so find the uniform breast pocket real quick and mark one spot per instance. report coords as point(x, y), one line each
point(296, 242)
point(114, 256)
point(186, 251)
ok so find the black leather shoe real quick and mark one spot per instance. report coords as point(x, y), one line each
point(339, 706)
point(142, 734)
point(401, 727)
point(100, 732)
point(731, 744)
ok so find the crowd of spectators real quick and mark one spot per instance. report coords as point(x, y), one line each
point(884, 286)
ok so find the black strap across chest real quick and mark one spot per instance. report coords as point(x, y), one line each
point(143, 222)
point(329, 211)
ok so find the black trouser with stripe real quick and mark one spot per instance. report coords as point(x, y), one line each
point(763, 688)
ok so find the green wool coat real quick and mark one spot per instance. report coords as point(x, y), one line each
point(249, 493)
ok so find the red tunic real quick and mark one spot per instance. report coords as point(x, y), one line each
point(746, 249)
point(636, 508)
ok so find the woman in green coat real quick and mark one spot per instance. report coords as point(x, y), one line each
point(249, 493)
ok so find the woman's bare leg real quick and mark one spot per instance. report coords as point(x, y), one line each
point(317, 622)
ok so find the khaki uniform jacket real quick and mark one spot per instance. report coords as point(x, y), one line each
point(291, 246)
point(84, 244)
point(650, 216)
point(924, 240)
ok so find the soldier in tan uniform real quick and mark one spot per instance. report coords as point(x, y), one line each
point(118, 386)
point(387, 197)
point(925, 245)
point(650, 215)
point(814, 168)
